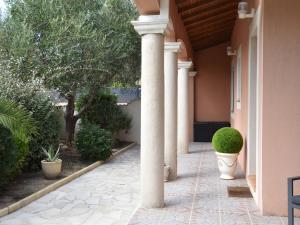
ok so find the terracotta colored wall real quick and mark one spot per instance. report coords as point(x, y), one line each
point(281, 108)
point(212, 84)
point(279, 94)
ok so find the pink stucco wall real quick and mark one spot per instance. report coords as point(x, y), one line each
point(281, 108)
point(212, 84)
point(279, 82)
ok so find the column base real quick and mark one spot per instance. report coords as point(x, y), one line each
point(152, 205)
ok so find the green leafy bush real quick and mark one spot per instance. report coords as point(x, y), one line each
point(105, 112)
point(12, 157)
point(46, 116)
point(49, 123)
point(94, 143)
point(16, 130)
point(227, 140)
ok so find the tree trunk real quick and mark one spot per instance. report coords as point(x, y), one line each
point(71, 121)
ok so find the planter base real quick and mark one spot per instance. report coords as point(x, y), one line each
point(51, 170)
point(226, 177)
point(227, 164)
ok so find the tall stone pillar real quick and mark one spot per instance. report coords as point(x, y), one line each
point(152, 29)
point(171, 78)
point(192, 74)
point(183, 106)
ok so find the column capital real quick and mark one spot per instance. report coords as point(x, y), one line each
point(185, 64)
point(151, 24)
point(193, 73)
point(172, 46)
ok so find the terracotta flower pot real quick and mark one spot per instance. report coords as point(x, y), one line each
point(51, 170)
point(227, 165)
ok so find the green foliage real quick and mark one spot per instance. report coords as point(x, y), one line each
point(50, 125)
point(18, 120)
point(227, 140)
point(46, 116)
point(105, 112)
point(94, 143)
point(16, 130)
point(70, 45)
point(12, 157)
point(51, 154)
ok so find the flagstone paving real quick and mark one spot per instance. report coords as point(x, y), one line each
point(108, 195)
point(199, 197)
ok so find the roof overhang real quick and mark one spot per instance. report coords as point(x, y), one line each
point(200, 24)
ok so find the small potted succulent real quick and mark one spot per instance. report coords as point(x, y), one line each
point(228, 143)
point(52, 164)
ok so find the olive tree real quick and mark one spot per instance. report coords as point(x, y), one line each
point(71, 47)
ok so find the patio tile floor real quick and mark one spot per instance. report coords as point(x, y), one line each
point(199, 197)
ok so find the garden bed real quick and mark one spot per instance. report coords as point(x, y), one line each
point(29, 183)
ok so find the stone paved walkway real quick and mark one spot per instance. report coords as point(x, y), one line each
point(199, 197)
point(108, 195)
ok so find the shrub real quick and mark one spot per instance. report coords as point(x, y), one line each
point(227, 140)
point(43, 112)
point(11, 157)
point(105, 112)
point(94, 143)
point(50, 124)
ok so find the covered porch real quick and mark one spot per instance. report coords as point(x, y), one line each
point(221, 61)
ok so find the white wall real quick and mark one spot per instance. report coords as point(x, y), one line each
point(134, 111)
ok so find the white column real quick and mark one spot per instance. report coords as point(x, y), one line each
point(152, 30)
point(192, 74)
point(171, 76)
point(183, 106)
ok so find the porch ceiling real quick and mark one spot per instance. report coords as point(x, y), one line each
point(208, 22)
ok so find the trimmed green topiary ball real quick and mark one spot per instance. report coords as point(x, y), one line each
point(227, 140)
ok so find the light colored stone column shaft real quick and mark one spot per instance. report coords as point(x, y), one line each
point(152, 121)
point(183, 108)
point(152, 29)
point(171, 79)
point(192, 74)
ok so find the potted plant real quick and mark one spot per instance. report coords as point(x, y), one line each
point(227, 142)
point(52, 164)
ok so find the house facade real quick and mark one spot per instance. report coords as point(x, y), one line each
point(189, 75)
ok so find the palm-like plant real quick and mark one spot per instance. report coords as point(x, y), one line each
point(18, 120)
point(51, 154)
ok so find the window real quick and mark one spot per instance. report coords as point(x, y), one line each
point(239, 78)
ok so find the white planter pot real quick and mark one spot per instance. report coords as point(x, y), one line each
point(51, 170)
point(227, 165)
point(166, 173)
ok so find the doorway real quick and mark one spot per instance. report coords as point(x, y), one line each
point(252, 110)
